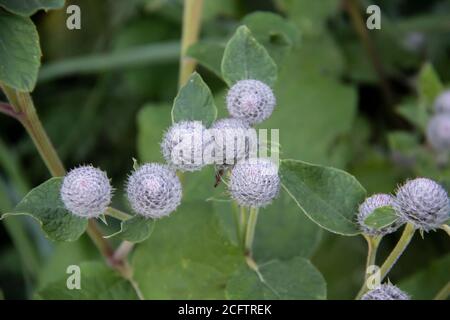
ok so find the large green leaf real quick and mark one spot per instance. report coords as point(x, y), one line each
point(194, 102)
point(63, 255)
point(209, 54)
point(187, 257)
point(313, 122)
point(246, 58)
point(98, 282)
point(282, 233)
point(310, 16)
point(44, 204)
point(310, 121)
point(275, 33)
point(426, 283)
point(135, 229)
point(293, 279)
point(28, 7)
point(152, 121)
point(429, 85)
point(415, 113)
point(20, 53)
point(328, 196)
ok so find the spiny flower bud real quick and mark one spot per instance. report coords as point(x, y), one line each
point(250, 100)
point(422, 202)
point(368, 206)
point(442, 102)
point(254, 182)
point(86, 191)
point(183, 145)
point(438, 132)
point(234, 140)
point(385, 292)
point(154, 190)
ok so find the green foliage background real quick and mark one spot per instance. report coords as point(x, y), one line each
point(105, 93)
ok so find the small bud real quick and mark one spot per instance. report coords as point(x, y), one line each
point(154, 190)
point(234, 140)
point(254, 182)
point(438, 132)
point(368, 206)
point(386, 292)
point(442, 102)
point(183, 145)
point(86, 191)
point(250, 100)
point(422, 202)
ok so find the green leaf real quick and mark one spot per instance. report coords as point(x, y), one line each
point(282, 233)
point(27, 7)
point(429, 85)
point(275, 33)
point(246, 58)
point(187, 257)
point(403, 141)
point(310, 16)
point(293, 279)
point(63, 255)
point(328, 196)
point(98, 282)
point(426, 283)
point(209, 54)
point(381, 217)
point(44, 204)
point(152, 121)
point(303, 108)
point(20, 54)
point(415, 113)
point(135, 229)
point(194, 102)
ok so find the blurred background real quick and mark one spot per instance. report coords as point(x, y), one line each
point(350, 98)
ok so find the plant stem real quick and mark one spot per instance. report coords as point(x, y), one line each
point(250, 233)
point(97, 237)
point(444, 293)
point(10, 93)
point(398, 250)
point(37, 132)
point(123, 250)
point(353, 9)
point(9, 111)
point(192, 18)
point(237, 222)
point(243, 223)
point(22, 102)
point(372, 248)
point(119, 215)
point(446, 228)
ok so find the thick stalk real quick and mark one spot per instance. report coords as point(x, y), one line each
point(243, 217)
point(236, 220)
point(353, 9)
point(23, 103)
point(395, 254)
point(446, 228)
point(250, 233)
point(398, 250)
point(372, 248)
point(192, 16)
point(37, 132)
point(444, 293)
